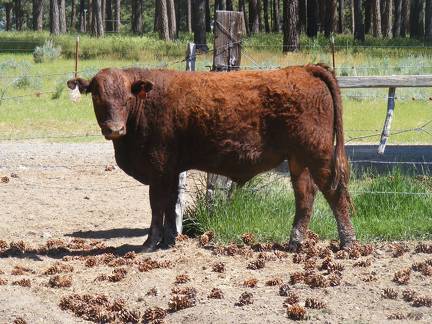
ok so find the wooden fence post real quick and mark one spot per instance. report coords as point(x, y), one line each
point(387, 123)
point(181, 203)
point(228, 31)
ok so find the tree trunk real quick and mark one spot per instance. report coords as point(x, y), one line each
point(171, 19)
point(377, 32)
point(109, 16)
point(89, 15)
point(82, 17)
point(312, 18)
point(18, 15)
point(73, 18)
point(163, 25)
point(331, 17)
point(103, 9)
point(428, 20)
point(189, 16)
point(368, 16)
point(218, 5)
point(116, 23)
point(229, 5)
point(97, 22)
point(302, 22)
point(397, 18)
point(266, 16)
point(359, 27)
point(242, 8)
point(417, 19)
point(8, 12)
point(341, 17)
point(37, 15)
point(405, 18)
point(276, 16)
point(253, 17)
point(207, 16)
point(199, 8)
point(291, 40)
point(156, 17)
point(137, 17)
point(54, 18)
point(387, 18)
point(62, 15)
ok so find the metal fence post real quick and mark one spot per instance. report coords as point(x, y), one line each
point(387, 123)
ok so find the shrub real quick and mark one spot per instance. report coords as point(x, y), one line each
point(47, 52)
point(26, 81)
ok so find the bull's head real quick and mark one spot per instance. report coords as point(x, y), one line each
point(112, 95)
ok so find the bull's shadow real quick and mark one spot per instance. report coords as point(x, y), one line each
point(59, 253)
point(111, 233)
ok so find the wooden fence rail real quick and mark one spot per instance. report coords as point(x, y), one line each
point(391, 82)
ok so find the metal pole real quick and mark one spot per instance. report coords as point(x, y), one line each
point(387, 123)
point(76, 56)
point(332, 41)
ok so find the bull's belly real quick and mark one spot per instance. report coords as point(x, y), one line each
point(240, 170)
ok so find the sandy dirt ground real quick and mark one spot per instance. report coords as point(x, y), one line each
point(63, 206)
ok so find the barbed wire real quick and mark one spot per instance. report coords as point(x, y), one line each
point(35, 94)
point(391, 162)
point(405, 193)
point(384, 97)
point(49, 137)
point(35, 75)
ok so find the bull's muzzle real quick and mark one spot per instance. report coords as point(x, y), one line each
point(113, 132)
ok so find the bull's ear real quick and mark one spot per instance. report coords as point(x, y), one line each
point(141, 88)
point(83, 85)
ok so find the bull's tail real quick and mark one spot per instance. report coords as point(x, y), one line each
point(340, 161)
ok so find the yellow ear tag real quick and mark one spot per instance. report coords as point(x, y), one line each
point(74, 94)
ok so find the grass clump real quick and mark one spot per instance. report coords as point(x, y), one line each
point(393, 207)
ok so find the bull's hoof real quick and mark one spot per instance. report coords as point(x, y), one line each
point(168, 242)
point(150, 246)
point(294, 246)
point(347, 245)
point(166, 245)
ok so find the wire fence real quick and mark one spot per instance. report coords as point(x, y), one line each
point(252, 64)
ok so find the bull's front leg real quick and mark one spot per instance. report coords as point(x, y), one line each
point(157, 204)
point(163, 199)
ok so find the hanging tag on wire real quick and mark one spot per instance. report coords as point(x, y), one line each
point(74, 94)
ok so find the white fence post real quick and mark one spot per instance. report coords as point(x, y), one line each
point(180, 206)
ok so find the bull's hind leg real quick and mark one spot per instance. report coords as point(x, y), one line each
point(338, 200)
point(157, 204)
point(170, 228)
point(304, 192)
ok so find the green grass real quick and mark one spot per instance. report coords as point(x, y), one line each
point(265, 207)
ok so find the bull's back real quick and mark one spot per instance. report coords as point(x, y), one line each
point(275, 105)
point(247, 121)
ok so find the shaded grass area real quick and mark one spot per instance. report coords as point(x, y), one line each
point(266, 208)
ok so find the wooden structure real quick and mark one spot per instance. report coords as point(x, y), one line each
point(228, 31)
point(391, 82)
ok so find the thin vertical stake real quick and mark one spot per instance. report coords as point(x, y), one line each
point(387, 123)
point(76, 56)
point(332, 41)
